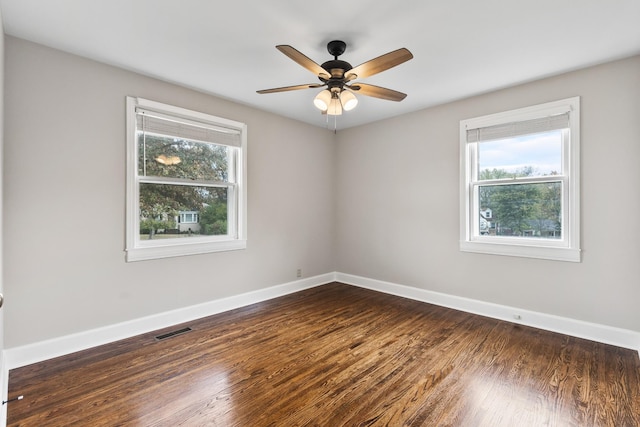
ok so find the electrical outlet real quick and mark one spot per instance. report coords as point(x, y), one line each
point(299, 273)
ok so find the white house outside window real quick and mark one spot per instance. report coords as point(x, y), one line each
point(520, 182)
point(186, 175)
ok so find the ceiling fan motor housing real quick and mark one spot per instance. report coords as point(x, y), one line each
point(336, 67)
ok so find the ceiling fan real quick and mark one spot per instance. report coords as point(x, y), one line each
point(337, 76)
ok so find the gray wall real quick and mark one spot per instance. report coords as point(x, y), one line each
point(393, 216)
point(398, 203)
point(65, 193)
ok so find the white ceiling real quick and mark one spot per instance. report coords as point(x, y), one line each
point(227, 48)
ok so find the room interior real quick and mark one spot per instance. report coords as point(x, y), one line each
point(372, 203)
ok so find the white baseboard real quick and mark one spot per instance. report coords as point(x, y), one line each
point(32, 353)
point(592, 331)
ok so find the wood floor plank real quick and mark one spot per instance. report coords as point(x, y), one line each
point(336, 355)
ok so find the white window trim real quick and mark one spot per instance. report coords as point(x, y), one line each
point(139, 251)
point(568, 249)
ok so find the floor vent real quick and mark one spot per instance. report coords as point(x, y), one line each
point(172, 334)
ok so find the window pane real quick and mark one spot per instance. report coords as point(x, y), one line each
point(529, 155)
point(171, 211)
point(522, 210)
point(179, 158)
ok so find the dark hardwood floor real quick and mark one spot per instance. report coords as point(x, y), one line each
point(336, 355)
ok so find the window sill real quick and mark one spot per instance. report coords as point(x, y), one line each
point(526, 251)
point(182, 249)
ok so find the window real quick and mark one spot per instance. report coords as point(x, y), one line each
point(188, 217)
point(186, 175)
point(520, 182)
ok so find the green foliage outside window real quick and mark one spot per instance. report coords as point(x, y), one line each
point(532, 209)
point(213, 219)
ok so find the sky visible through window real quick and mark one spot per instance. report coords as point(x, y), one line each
point(542, 151)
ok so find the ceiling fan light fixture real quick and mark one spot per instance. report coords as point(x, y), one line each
point(322, 100)
point(335, 107)
point(348, 100)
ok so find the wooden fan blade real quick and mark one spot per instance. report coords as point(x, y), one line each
point(287, 88)
point(379, 64)
point(303, 60)
point(378, 92)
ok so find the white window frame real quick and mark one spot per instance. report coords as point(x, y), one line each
point(138, 250)
point(565, 249)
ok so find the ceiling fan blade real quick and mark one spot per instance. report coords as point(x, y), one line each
point(288, 88)
point(379, 64)
point(303, 60)
point(378, 92)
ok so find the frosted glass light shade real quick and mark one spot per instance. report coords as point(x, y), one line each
point(348, 100)
point(322, 100)
point(335, 107)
